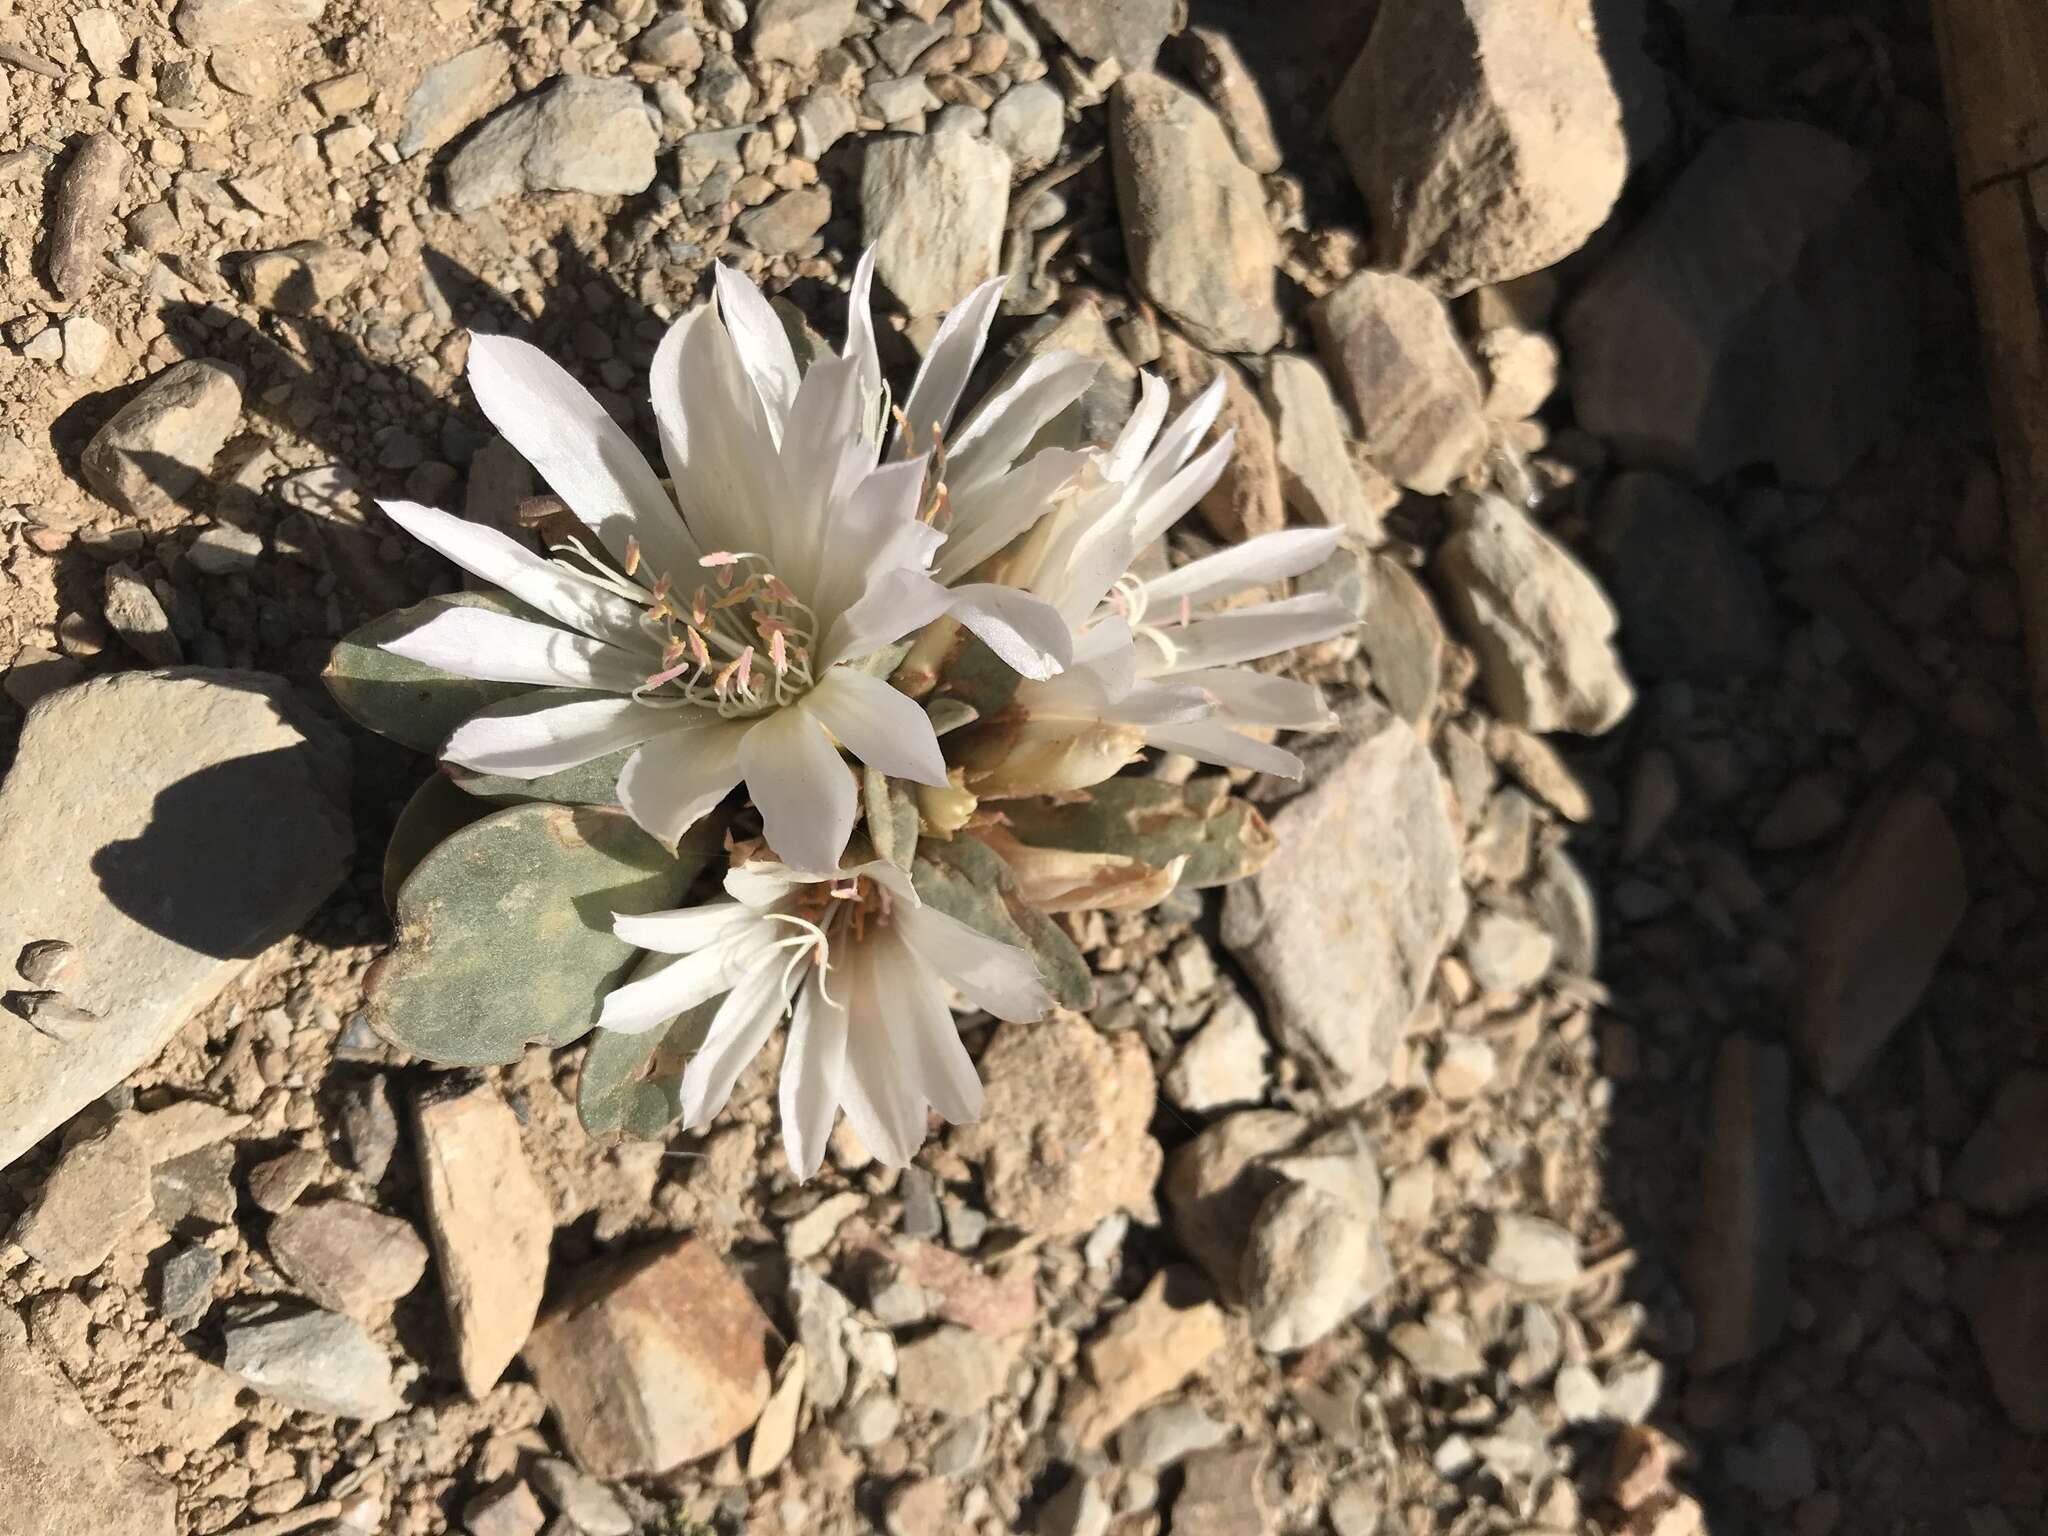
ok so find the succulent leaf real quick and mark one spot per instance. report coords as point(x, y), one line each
point(435, 813)
point(592, 783)
point(410, 702)
point(891, 810)
point(633, 1084)
point(1154, 822)
point(966, 879)
point(504, 929)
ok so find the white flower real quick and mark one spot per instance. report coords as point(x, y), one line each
point(857, 962)
point(719, 632)
point(1156, 660)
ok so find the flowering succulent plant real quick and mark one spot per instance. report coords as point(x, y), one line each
point(883, 666)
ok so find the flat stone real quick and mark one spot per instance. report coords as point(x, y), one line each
point(1892, 901)
point(276, 1184)
point(1129, 31)
point(823, 118)
point(490, 1223)
point(317, 1362)
point(1312, 446)
point(1160, 1436)
point(454, 94)
point(1194, 217)
point(1212, 61)
point(1343, 931)
point(823, 1319)
point(655, 1359)
point(94, 1198)
point(1487, 139)
point(2003, 1167)
point(1315, 1255)
point(1245, 501)
point(185, 1286)
point(152, 450)
point(1740, 1266)
point(1437, 1350)
point(196, 1190)
point(1144, 1352)
point(785, 224)
point(88, 192)
point(1063, 1138)
point(795, 32)
point(1403, 639)
point(1396, 358)
point(135, 613)
point(1078, 1508)
point(933, 209)
point(183, 1127)
point(1693, 601)
point(298, 279)
point(579, 134)
point(1030, 121)
point(1778, 295)
point(1530, 1253)
point(504, 1509)
point(347, 1257)
point(1223, 1493)
point(586, 1503)
point(1842, 1169)
point(208, 822)
point(1506, 953)
point(2004, 1294)
point(951, 1370)
point(775, 1430)
point(228, 24)
point(1543, 629)
point(61, 1473)
point(1223, 1062)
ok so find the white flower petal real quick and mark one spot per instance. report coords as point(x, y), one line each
point(947, 364)
point(881, 727)
point(762, 344)
point(813, 1066)
point(884, 1108)
point(506, 563)
point(1140, 432)
point(895, 604)
point(802, 788)
point(991, 974)
point(826, 459)
point(738, 1030)
point(1155, 511)
point(1246, 634)
point(674, 985)
point(497, 648)
point(1003, 424)
point(987, 517)
point(1176, 445)
point(869, 533)
point(860, 324)
point(1267, 558)
point(523, 741)
point(1210, 741)
point(762, 884)
point(1153, 704)
point(1026, 632)
point(675, 778)
point(575, 446)
point(1245, 697)
point(682, 930)
point(716, 437)
point(926, 1039)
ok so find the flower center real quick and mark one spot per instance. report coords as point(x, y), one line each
point(1128, 599)
point(829, 911)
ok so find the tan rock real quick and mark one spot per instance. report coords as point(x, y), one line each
point(1246, 501)
point(1217, 1182)
point(1143, 1353)
point(1312, 446)
point(1062, 1137)
point(656, 1359)
point(152, 450)
point(1741, 1282)
point(491, 1227)
point(97, 1194)
point(347, 1257)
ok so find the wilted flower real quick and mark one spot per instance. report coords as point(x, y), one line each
point(857, 963)
point(725, 633)
point(1156, 659)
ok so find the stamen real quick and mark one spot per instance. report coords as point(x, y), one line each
point(778, 652)
point(745, 590)
point(632, 556)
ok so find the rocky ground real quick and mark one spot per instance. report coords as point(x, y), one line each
point(1617, 1107)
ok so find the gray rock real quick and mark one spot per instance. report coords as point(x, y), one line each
point(1344, 931)
point(901, 101)
point(452, 95)
point(1078, 1509)
point(506, 1508)
point(317, 1362)
point(347, 1257)
point(823, 1315)
point(1740, 1267)
point(722, 93)
point(900, 42)
point(1223, 1493)
point(1487, 139)
point(1506, 953)
point(94, 1198)
point(87, 195)
point(785, 223)
point(231, 23)
point(588, 1505)
point(1775, 1464)
point(1840, 1166)
point(1693, 601)
point(1194, 217)
point(1543, 629)
point(1216, 1184)
point(795, 32)
point(1313, 447)
point(135, 613)
point(210, 823)
point(1157, 1437)
point(299, 278)
point(671, 43)
point(580, 134)
point(951, 1370)
point(2003, 1167)
point(1129, 31)
point(1890, 905)
point(1530, 1253)
point(369, 1128)
point(1223, 1062)
point(933, 208)
point(226, 549)
point(1437, 1349)
point(1778, 296)
point(1391, 348)
point(1315, 1255)
point(61, 1472)
point(823, 118)
point(960, 1449)
point(1403, 639)
point(1029, 121)
point(185, 1287)
point(1562, 899)
point(195, 1189)
point(2004, 1294)
point(152, 450)
point(1212, 61)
